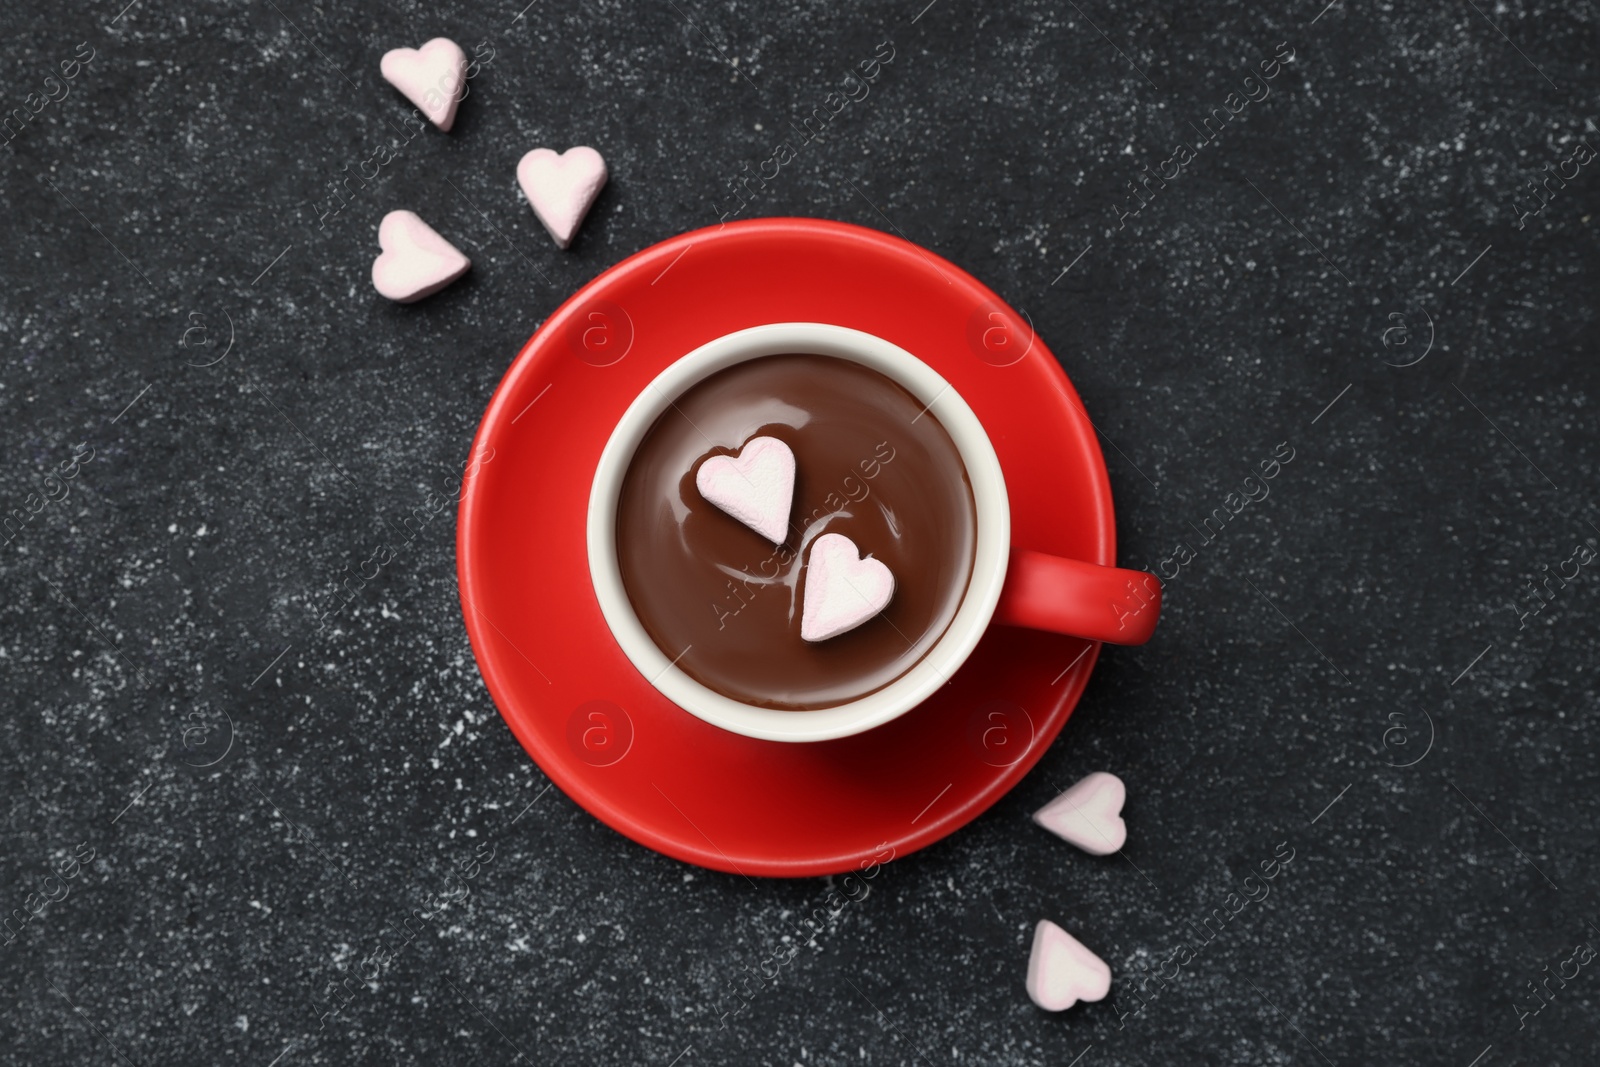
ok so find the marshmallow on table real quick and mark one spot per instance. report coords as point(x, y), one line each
point(1089, 814)
point(1061, 971)
point(415, 262)
point(562, 187)
point(756, 486)
point(432, 77)
point(842, 589)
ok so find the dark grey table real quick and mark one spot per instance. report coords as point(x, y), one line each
point(213, 814)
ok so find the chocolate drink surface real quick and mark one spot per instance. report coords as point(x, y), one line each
point(871, 463)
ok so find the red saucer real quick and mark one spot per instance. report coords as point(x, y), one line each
point(586, 715)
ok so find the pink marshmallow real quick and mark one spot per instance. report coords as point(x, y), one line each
point(433, 77)
point(1089, 814)
point(562, 187)
point(842, 589)
point(756, 486)
point(1062, 971)
point(415, 262)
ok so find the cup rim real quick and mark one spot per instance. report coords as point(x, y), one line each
point(990, 555)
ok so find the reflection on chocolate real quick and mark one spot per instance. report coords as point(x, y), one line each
point(872, 464)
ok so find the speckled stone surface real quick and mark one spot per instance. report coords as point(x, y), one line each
point(1355, 265)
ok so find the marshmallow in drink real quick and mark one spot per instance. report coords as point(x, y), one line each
point(843, 590)
point(756, 486)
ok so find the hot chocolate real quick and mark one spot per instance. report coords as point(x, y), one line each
point(871, 463)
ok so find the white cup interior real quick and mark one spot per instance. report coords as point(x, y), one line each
point(990, 555)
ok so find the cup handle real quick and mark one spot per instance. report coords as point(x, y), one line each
point(1070, 596)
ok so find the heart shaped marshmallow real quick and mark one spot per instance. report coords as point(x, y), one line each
point(1061, 971)
point(842, 589)
point(415, 262)
point(1089, 814)
point(756, 486)
point(433, 77)
point(562, 187)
